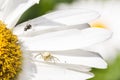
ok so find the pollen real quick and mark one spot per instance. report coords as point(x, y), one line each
point(10, 54)
point(98, 25)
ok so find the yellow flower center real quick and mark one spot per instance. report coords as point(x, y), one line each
point(10, 54)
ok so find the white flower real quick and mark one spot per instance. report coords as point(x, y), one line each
point(58, 38)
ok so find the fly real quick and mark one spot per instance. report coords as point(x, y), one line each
point(27, 27)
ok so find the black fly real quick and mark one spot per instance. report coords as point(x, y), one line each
point(27, 27)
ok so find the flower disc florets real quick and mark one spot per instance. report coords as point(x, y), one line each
point(10, 54)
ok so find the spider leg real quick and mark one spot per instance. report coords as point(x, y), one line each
point(51, 59)
point(55, 59)
point(39, 54)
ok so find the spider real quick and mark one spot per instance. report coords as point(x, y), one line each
point(46, 56)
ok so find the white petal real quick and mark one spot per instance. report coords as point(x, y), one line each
point(14, 9)
point(73, 67)
point(72, 16)
point(43, 28)
point(3, 4)
point(30, 71)
point(53, 20)
point(65, 40)
point(76, 57)
point(47, 72)
point(28, 67)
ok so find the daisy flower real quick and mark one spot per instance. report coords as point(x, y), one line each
point(49, 47)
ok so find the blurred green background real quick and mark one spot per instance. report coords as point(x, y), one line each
point(111, 73)
point(113, 70)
